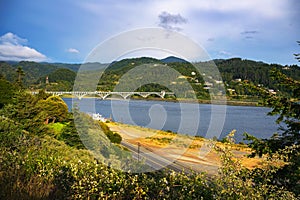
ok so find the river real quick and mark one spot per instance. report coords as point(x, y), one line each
point(185, 118)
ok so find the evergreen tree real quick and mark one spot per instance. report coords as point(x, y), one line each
point(20, 73)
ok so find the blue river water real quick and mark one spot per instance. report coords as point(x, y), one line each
point(193, 119)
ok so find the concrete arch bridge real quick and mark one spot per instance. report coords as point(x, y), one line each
point(104, 95)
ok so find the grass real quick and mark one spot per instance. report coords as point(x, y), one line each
point(57, 127)
point(162, 141)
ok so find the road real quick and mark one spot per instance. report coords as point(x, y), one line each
point(153, 160)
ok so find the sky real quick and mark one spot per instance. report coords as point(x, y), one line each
point(67, 31)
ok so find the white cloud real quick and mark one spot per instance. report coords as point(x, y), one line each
point(10, 38)
point(72, 50)
point(225, 53)
point(266, 8)
point(13, 48)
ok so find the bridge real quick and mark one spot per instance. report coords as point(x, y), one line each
point(104, 95)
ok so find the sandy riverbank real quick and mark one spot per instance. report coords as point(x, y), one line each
point(190, 151)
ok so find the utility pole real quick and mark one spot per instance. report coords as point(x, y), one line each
point(138, 151)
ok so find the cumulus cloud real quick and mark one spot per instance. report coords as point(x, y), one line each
point(72, 50)
point(10, 38)
point(13, 48)
point(170, 21)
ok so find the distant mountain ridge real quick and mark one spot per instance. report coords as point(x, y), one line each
point(230, 69)
point(173, 59)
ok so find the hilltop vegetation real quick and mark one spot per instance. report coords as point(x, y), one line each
point(61, 76)
point(233, 72)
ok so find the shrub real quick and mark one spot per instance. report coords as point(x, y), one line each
point(112, 136)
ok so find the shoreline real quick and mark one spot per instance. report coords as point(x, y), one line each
point(199, 101)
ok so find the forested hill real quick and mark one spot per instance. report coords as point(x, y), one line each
point(256, 72)
point(35, 73)
point(232, 71)
point(62, 76)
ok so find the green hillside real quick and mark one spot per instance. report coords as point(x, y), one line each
point(233, 71)
point(60, 75)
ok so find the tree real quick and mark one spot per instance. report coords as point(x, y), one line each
point(20, 73)
point(287, 108)
point(297, 55)
point(42, 95)
point(22, 109)
point(7, 91)
point(52, 109)
point(285, 145)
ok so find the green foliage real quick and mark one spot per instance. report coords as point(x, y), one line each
point(256, 72)
point(161, 140)
point(237, 182)
point(115, 70)
point(34, 70)
point(257, 144)
point(287, 108)
point(33, 111)
point(7, 91)
point(23, 110)
point(36, 169)
point(112, 136)
point(53, 108)
point(20, 73)
point(229, 139)
point(42, 95)
point(67, 132)
point(281, 170)
point(35, 73)
point(297, 55)
point(8, 72)
point(34, 165)
point(10, 133)
point(62, 75)
point(59, 80)
point(57, 127)
point(112, 75)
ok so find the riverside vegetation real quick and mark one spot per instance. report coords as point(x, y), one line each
point(42, 155)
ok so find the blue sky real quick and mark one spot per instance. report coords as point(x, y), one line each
point(66, 31)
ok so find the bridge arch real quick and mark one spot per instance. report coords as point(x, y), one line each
point(114, 93)
point(153, 93)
